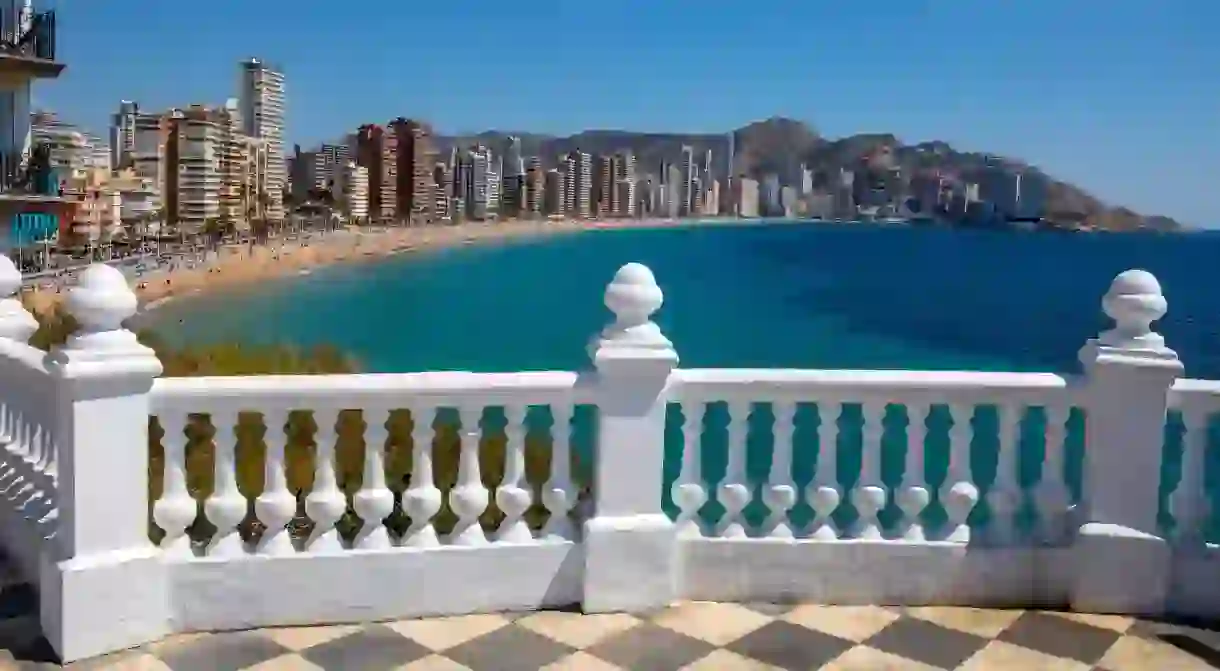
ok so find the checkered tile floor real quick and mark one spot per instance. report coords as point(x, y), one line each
point(689, 636)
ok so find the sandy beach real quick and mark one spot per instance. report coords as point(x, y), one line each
point(238, 266)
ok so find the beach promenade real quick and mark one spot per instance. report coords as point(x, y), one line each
point(239, 265)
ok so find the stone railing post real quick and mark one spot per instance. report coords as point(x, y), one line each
point(630, 544)
point(1121, 560)
point(103, 586)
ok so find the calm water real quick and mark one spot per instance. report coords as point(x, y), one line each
point(768, 296)
point(788, 296)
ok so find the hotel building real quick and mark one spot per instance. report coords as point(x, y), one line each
point(31, 207)
point(262, 114)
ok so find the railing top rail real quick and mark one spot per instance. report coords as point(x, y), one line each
point(26, 356)
point(866, 384)
point(1190, 395)
point(382, 390)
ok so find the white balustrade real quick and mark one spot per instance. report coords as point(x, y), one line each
point(1004, 495)
point(734, 493)
point(374, 502)
point(469, 496)
point(960, 495)
point(74, 455)
point(780, 494)
point(513, 496)
point(688, 492)
point(226, 506)
point(1051, 495)
point(559, 494)
point(913, 497)
point(325, 503)
point(176, 509)
point(825, 494)
point(422, 500)
point(275, 506)
point(869, 495)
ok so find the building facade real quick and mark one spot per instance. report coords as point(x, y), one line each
point(262, 103)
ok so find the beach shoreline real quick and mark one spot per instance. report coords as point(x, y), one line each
point(239, 266)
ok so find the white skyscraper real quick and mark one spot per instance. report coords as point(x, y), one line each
point(262, 115)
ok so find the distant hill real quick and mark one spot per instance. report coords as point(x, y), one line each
point(780, 146)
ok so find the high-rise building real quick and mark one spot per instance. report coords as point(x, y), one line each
point(377, 151)
point(442, 186)
point(494, 169)
point(149, 156)
point(603, 186)
point(535, 187)
point(416, 159)
point(352, 191)
point(67, 146)
point(624, 195)
point(513, 180)
point(123, 133)
point(687, 188)
point(237, 207)
point(193, 181)
point(745, 197)
point(262, 113)
point(579, 183)
point(675, 191)
point(555, 193)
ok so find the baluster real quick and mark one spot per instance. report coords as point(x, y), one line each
point(468, 498)
point(225, 507)
point(914, 497)
point(959, 495)
point(689, 493)
point(824, 493)
point(780, 495)
point(558, 494)
point(374, 501)
point(512, 495)
point(1189, 500)
point(422, 500)
point(1052, 497)
point(325, 503)
point(734, 492)
point(275, 506)
point(869, 495)
point(30, 505)
point(175, 510)
point(1004, 494)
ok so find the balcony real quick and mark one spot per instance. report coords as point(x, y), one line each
point(30, 52)
point(27, 183)
point(658, 483)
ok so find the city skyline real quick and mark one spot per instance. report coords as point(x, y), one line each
point(1064, 87)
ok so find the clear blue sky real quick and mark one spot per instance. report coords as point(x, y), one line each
point(1120, 96)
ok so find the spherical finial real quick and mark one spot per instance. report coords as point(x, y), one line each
point(101, 300)
point(633, 294)
point(1134, 301)
point(16, 323)
point(10, 278)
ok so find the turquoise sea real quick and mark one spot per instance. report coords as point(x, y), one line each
point(792, 295)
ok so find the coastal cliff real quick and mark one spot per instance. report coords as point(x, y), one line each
point(780, 146)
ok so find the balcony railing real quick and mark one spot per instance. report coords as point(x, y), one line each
point(316, 499)
point(29, 179)
point(38, 41)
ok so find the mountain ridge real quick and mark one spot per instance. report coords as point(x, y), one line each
point(780, 145)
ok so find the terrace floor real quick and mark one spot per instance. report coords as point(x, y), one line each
point(689, 636)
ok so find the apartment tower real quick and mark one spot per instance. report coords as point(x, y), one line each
point(416, 197)
point(377, 151)
point(123, 134)
point(262, 114)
